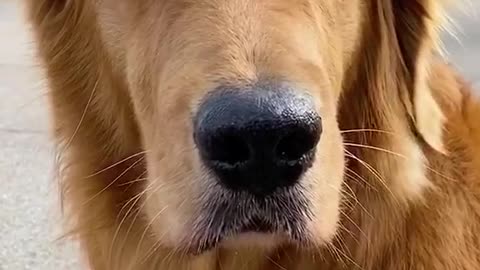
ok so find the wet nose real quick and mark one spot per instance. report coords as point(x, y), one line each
point(257, 139)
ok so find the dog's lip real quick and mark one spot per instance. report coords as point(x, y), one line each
point(200, 249)
point(257, 225)
point(226, 216)
point(250, 231)
point(251, 228)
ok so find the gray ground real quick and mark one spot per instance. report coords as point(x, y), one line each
point(28, 213)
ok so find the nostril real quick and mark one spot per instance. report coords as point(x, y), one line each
point(228, 149)
point(293, 146)
point(296, 144)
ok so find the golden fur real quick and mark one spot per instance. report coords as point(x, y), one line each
point(399, 185)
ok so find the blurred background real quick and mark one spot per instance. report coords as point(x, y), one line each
point(29, 214)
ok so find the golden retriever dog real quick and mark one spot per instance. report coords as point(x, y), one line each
point(261, 134)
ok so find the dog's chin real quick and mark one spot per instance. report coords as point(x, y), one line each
point(253, 240)
point(248, 240)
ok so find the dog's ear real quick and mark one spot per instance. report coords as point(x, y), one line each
point(417, 23)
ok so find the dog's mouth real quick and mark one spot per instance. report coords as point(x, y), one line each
point(259, 235)
point(237, 219)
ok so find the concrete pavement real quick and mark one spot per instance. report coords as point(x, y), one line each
point(28, 209)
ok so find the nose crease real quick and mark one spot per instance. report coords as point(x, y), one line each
point(257, 139)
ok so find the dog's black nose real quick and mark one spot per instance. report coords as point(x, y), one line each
point(257, 139)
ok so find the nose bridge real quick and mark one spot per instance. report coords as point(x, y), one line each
point(238, 41)
point(251, 45)
point(241, 42)
point(239, 54)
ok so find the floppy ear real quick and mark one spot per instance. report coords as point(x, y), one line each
point(417, 23)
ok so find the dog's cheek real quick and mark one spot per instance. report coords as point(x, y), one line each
point(325, 182)
point(169, 208)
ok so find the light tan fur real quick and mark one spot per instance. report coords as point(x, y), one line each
point(396, 184)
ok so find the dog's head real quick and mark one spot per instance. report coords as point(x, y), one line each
point(241, 103)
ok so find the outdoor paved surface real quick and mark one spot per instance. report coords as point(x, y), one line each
point(28, 212)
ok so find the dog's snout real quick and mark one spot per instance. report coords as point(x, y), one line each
point(257, 139)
